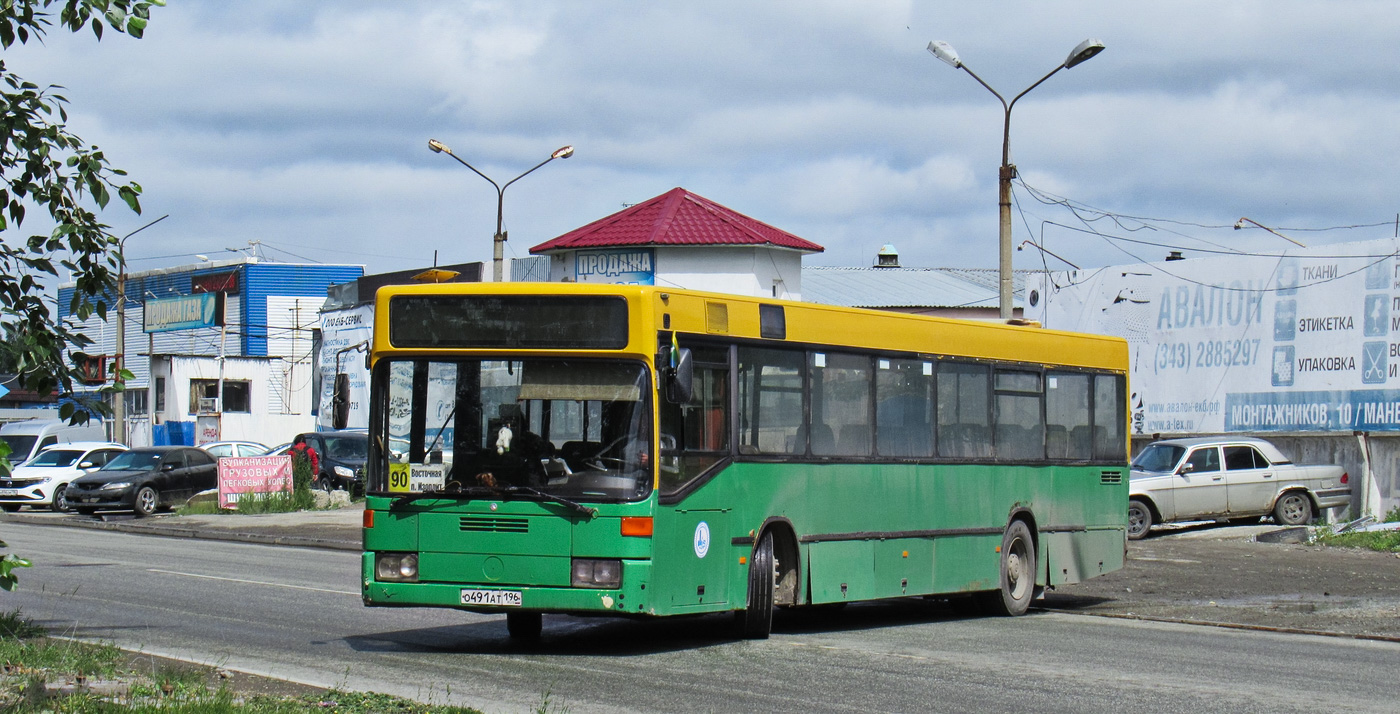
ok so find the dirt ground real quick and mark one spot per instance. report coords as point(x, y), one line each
point(1217, 574)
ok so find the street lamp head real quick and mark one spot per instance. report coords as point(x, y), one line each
point(1239, 225)
point(944, 51)
point(438, 147)
point(1083, 52)
point(562, 153)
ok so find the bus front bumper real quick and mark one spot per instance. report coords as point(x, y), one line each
point(630, 598)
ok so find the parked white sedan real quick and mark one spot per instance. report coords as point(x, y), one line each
point(42, 481)
point(1214, 477)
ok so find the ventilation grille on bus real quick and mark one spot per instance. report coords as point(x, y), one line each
point(1111, 477)
point(490, 524)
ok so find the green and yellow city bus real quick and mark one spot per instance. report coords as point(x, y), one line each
point(635, 450)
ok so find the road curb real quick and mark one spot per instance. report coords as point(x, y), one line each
point(1225, 625)
point(178, 532)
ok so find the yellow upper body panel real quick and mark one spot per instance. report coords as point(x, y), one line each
point(721, 315)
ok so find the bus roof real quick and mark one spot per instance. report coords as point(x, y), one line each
point(720, 315)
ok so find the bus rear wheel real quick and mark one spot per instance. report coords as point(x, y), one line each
point(524, 625)
point(755, 621)
point(1017, 573)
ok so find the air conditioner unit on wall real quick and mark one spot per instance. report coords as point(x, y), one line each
point(208, 405)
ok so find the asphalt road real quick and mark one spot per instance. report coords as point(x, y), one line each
point(295, 613)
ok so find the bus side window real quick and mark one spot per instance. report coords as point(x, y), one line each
point(964, 410)
point(770, 401)
point(1110, 419)
point(1067, 416)
point(695, 435)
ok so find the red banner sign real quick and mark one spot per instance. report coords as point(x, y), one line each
point(239, 475)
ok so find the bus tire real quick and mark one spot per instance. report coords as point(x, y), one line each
point(756, 619)
point(1016, 573)
point(524, 625)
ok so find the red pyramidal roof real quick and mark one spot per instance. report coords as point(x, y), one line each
point(677, 217)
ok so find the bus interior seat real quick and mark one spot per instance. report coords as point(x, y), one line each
point(854, 440)
point(1056, 442)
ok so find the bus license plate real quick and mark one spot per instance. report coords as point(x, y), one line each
point(507, 598)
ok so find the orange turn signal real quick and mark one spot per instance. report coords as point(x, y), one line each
point(639, 526)
point(367, 520)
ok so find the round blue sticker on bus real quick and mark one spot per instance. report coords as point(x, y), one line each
point(702, 539)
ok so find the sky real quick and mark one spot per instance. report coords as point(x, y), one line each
point(304, 125)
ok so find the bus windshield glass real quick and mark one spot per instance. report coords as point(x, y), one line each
point(537, 428)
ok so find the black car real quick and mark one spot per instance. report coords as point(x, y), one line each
point(342, 456)
point(145, 479)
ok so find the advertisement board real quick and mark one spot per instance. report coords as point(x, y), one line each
point(1307, 340)
point(239, 475)
point(341, 330)
point(622, 266)
point(183, 312)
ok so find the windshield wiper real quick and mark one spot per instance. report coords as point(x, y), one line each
point(585, 510)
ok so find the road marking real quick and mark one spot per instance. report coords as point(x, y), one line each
point(251, 582)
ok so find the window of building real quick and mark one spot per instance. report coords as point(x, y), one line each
point(841, 424)
point(236, 394)
point(1067, 431)
point(136, 400)
point(770, 402)
point(964, 410)
point(904, 407)
point(160, 394)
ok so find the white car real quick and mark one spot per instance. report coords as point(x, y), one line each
point(219, 449)
point(42, 481)
point(1224, 478)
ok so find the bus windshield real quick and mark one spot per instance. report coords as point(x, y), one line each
point(554, 428)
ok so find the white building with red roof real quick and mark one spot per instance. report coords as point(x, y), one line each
point(684, 240)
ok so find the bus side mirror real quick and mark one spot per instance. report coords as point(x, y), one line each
point(680, 380)
point(340, 401)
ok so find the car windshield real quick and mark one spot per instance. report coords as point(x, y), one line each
point(353, 448)
point(55, 457)
point(20, 444)
point(570, 429)
point(133, 461)
point(1158, 457)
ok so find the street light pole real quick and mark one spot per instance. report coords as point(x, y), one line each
point(945, 52)
point(498, 241)
point(119, 398)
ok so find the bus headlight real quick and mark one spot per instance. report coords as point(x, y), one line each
point(592, 573)
point(396, 567)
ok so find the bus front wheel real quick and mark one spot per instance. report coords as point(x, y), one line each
point(756, 619)
point(1017, 570)
point(524, 625)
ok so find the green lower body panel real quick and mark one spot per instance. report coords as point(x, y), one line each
point(630, 598)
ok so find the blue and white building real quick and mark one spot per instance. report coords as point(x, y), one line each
point(262, 355)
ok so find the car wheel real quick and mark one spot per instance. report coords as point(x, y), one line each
point(146, 501)
point(756, 619)
point(1018, 571)
point(60, 499)
point(1139, 519)
point(325, 483)
point(10, 507)
point(524, 625)
point(1293, 509)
